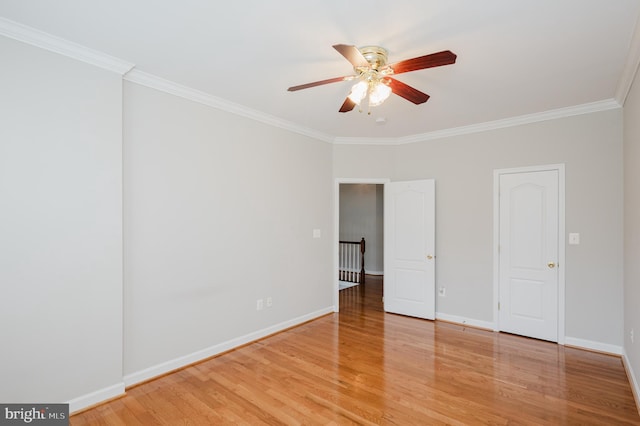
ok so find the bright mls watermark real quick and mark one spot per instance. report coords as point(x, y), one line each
point(35, 414)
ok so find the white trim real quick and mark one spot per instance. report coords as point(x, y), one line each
point(635, 387)
point(496, 251)
point(336, 229)
point(345, 140)
point(64, 47)
point(465, 321)
point(489, 125)
point(373, 272)
point(372, 181)
point(96, 397)
point(167, 86)
point(594, 346)
point(630, 67)
point(561, 241)
point(561, 255)
point(177, 363)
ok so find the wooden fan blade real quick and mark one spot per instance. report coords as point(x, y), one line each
point(319, 83)
point(446, 57)
point(407, 92)
point(352, 54)
point(347, 106)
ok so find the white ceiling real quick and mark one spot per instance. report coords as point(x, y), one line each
point(515, 58)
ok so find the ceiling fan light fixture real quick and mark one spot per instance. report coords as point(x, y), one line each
point(359, 92)
point(379, 93)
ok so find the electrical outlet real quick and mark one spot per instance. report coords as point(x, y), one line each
point(269, 302)
point(631, 335)
point(259, 305)
point(442, 292)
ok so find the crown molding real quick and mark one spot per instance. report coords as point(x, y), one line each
point(64, 47)
point(630, 67)
point(490, 125)
point(167, 86)
point(344, 140)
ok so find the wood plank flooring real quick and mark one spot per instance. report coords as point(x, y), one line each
point(365, 367)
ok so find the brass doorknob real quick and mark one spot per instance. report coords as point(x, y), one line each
point(551, 264)
point(429, 256)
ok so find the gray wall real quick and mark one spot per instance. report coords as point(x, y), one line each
point(60, 227)
point(361, 215)
point(219, 212)
point(590, 146)
point(632, 230)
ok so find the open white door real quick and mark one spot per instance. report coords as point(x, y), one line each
point(409, 244)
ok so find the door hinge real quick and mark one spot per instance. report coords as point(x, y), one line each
point(498, 305)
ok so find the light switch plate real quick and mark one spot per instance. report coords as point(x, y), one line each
point(574, 238)
point(317, 233)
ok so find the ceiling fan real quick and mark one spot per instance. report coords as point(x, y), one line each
point(374, 75)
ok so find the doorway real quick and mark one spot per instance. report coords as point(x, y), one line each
point(404, 213)
point(360, 201)
point(529, 251)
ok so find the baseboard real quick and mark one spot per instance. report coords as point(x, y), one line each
point(465, 321)
point(177, 363)
point(96, 397)
point(569, 341)
point(594, 346)
point(635, 388)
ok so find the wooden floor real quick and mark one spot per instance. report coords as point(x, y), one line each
point(363, 366)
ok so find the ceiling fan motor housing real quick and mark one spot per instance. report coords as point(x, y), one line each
point(375, 55)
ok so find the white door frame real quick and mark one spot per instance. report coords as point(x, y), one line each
point(336, 228)
point(561, 241)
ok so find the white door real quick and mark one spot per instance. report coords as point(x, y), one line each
point(409, 243)
point(528, 254)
